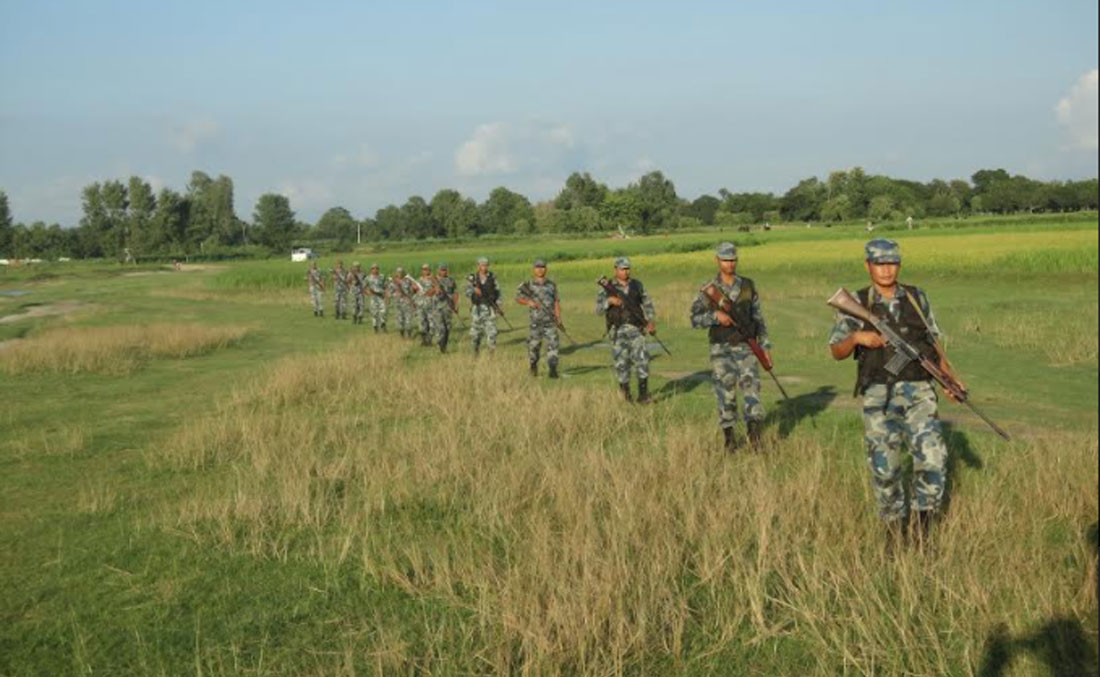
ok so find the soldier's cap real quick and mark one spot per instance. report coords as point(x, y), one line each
point(425, 265)
point(399, 270)
point(373, 266)
point(727, 251)
point(881, 250)
point(356, 265)
point(442, 266)
point(481, 260)
point(540, 263)
point(622, 262)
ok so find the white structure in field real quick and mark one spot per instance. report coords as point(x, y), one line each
point(302, 254)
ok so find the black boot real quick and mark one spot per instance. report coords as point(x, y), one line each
point(755, 433)
point(553, 370)
point(534, 367)
point(477, 347)
point(730, 443)
point(425, 340)
point(625, 389)
point(443, 343)
point(643, 391)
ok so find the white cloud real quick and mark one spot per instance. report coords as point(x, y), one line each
point(498, 148)
point(1077, 113)
point(486, 153)
point(187, 136)
point(306, 193)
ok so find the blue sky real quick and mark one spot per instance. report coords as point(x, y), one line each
point(362, 104)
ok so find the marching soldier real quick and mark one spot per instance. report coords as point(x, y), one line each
point(630, 318)
point(445, 306)
point(340, 289)
point(425, 303)
point(484, 295)
point(540, 295)
point(403, 289)
point(376, 287)
point(316, 280)
point(733, 365)
point(357, 280)
point(900, 408)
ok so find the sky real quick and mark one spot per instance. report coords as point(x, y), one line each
point(362, 104)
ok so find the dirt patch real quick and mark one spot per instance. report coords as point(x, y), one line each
point(198, 267)
point(46, 310)
point(143, 273)
point(4, 345)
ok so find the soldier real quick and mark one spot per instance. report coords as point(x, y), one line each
point(484, 295)
point(316, 280)
point(425, 303)
point(628, 328)
point(445, 306)
point(540, 295)
point(733, 365)
point(376, 287)
point(403, 288)
point(900, 408)
point(357, 280)
point(340, 289)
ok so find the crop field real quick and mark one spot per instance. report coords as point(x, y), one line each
point(198, 476)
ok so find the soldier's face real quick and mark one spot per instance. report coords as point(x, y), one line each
point(727, 266)
point(443, 272)
point(883, 274)
point(483, 268)
point(622, 274)
point(425, 271)
point(540, 272)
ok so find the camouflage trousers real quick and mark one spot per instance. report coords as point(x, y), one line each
point(906, 414)
point(378, 311)
point(406, 315)
point(440, 322)
point(424, 312)
point(360, 305)
point(316, 295)
point(483, 326)
point(341, 302)
point(735, 368)
point(539, 333)
point(628, 349)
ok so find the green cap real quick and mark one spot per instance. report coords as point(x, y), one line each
point(727, 251)
point(481, 260)
point(540, 263)
point(622, 262)
point(881, 250)
point(442, 266)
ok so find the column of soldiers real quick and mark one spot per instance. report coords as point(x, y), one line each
point(898, 409)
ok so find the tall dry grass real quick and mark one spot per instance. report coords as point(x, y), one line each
point(581, 536)
point(113, 350)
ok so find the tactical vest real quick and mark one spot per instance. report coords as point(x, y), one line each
point(744, 324)
point(489, 292)
point(871, 367)
point(617, 316)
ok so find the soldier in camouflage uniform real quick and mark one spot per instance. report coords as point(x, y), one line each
point(316, 280)
point(376, 288)
point(404, 289)
point(425, 303)
point(444, 306)
point(628, 331)
point(340, 290)
point(733, 365)
point(898, 409)
point(357, 279)
point(540, 295)
point(484, 295)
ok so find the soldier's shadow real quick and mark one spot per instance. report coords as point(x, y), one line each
point(577, 371)
point(1060, 643)
point(958, 449)
point(807, 405)
point(681, 385)
point(570, 348)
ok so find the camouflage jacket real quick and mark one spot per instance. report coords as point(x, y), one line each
point(339, 279)
point(316, 278)
point(845, 325)
point(446, 288)
point(376, 285)
point(403, 290)
point(703, 316)
point(647, 303)
point(545, 294)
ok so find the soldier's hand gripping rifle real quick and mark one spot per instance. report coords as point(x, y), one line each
point(905, 353)
point(719, 301)
point(526, 292)
point(633, 308)
point(472, 277)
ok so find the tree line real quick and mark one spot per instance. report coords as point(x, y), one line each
point(128, 219)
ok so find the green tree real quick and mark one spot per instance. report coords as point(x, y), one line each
point(703, 208)
point(6, 229)
point(338, 224)
point(581, 190)
point(274, 220)
point(390, 223)
point(168, 226)
point(454, 215)
point(836, 208)
point(881, 207)
point(503, 209)
point(116, 203)
point(140, 216)
point(417, 218)
point(657, 201)
point(804, 201)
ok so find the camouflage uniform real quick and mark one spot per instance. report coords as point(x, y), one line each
point(902, 411)
point(542, 327)
point(483, 316)
point(733, 366)
point(628, 341)
point(316, 290)
point(376, 287)
point(404, 290)
point(340, 291)
point(357, 279)
point(424, 307)
point(441, 316)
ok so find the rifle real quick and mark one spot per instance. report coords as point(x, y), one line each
point(472, 277)
point(905, 353)
point(719, 301)
point(529, 294)
point(636, 312)
point(318, 279)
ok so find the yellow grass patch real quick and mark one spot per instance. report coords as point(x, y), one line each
point(113, 350)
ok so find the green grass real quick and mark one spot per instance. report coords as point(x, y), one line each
point(242, 511)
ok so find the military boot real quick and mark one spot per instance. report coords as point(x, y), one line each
point(643, 391)
point(730, 443)
point(443, 343)
point(534, 367)
point(425, 340)
point(755, 433)
point(553, 370)
point(477, 347)
point(321, 313)
point(625, 389)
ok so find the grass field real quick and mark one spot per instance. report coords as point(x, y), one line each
point(201, 477)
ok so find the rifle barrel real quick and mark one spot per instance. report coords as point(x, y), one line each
point(778, 384)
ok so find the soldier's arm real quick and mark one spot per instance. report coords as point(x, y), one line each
point(647, 307)
point(601, 301)
point(926, 308)
point(702, 316)
point(846, 335)
point(762, 327)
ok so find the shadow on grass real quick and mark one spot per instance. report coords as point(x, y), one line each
point(569, 348)
point(958, 449)
point(790, 412)
point(681, 385)
point(577, 371)
point(1061, 644)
